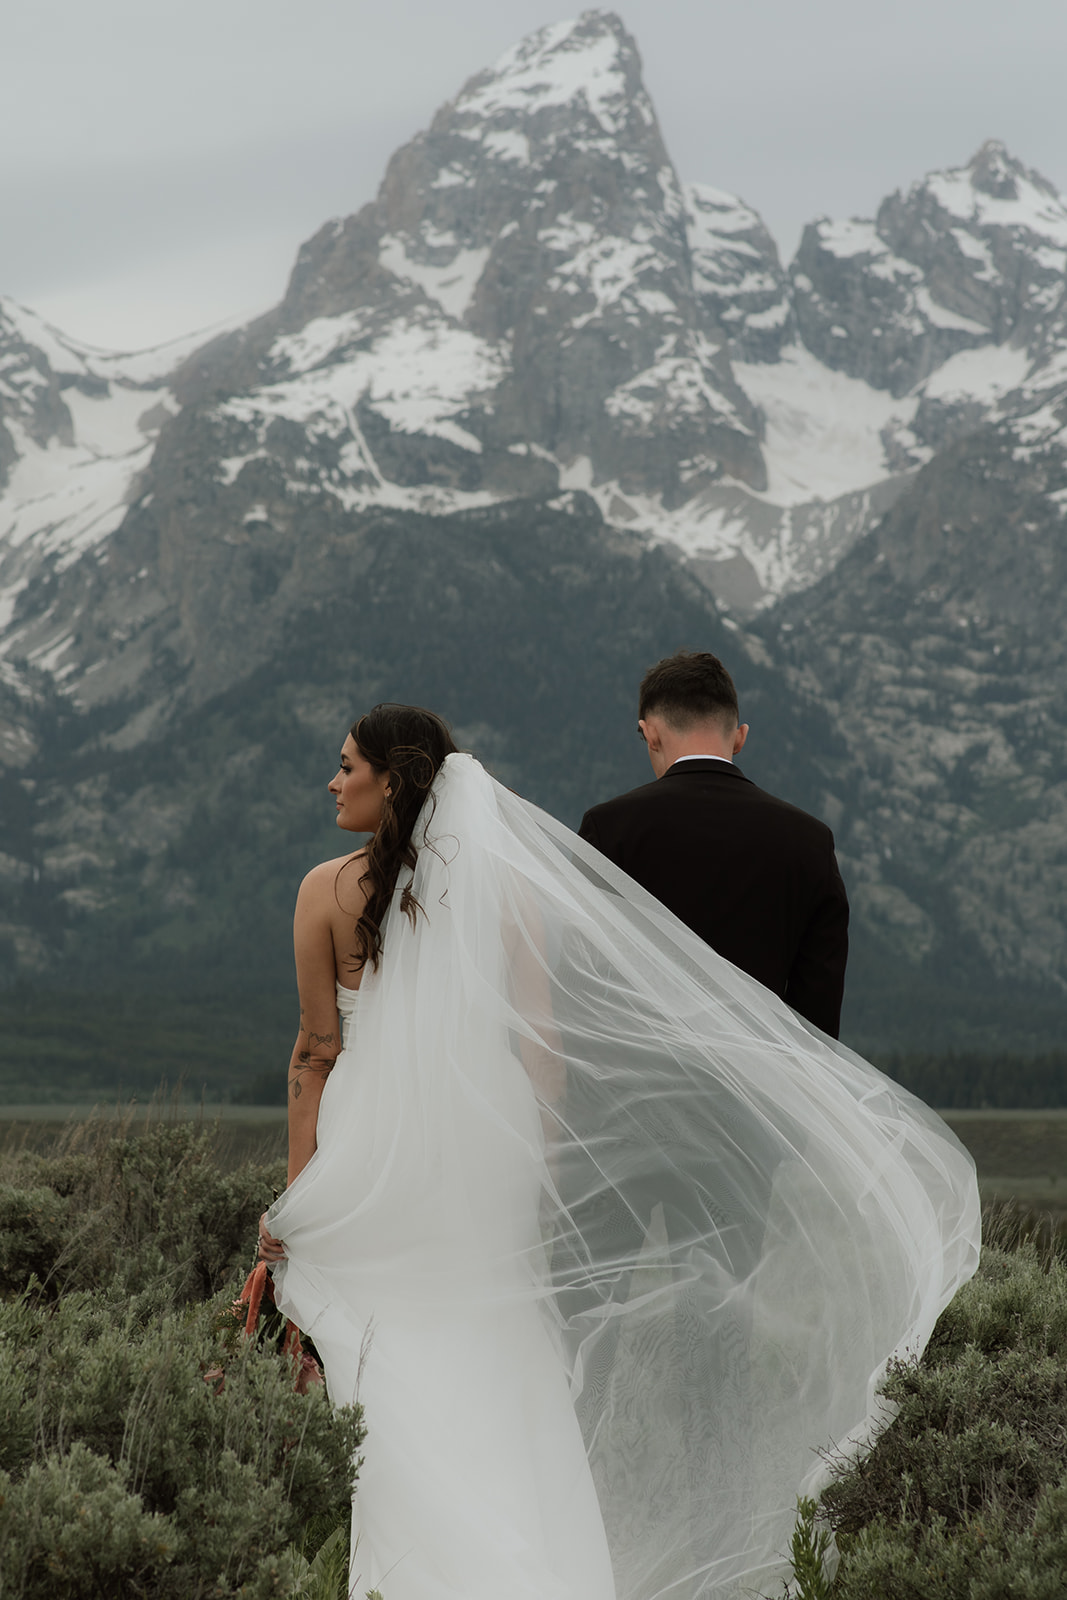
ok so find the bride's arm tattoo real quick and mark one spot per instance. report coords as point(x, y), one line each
point(315, 1052)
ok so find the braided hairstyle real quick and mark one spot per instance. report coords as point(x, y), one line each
point(409, 744)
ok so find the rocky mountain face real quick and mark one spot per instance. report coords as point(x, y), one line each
point(937, 641)
point(966, 259)
point(167, 846)
point(939, 648)
point(538, 414)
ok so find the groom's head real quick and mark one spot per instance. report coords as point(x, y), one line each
point(688, 706)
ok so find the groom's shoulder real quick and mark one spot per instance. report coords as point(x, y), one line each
point(722, 789)
point(633, 799)
point(791, 816)
point(748, 796)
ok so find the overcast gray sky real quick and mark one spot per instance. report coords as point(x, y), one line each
point(160, 163)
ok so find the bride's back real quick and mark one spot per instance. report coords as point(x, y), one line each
point(337, 899)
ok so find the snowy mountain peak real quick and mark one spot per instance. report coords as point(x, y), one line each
point(553, 151)
point(21, 326)
point(994, 171)
point(56, 394)
point(969, 257)
point(533, 304)
point(31, 404)
point(76, 428)
point(589, 65)
point(516, 311)
point(533, 310)
point(993, 195)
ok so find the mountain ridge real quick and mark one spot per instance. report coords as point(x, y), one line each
point(539, 350)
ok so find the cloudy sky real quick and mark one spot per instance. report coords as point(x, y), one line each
point(161, 162)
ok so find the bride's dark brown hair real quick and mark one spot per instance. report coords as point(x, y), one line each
point(409, 744)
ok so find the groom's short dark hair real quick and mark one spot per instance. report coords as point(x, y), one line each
point(690, 686)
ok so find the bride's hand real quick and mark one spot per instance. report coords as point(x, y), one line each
point(270, 1248)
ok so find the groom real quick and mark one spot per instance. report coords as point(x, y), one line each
point(756, 878)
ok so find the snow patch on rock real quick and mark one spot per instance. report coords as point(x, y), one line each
point(420, 375)
point(823, 428)
point(451, 285)
point(985, 375)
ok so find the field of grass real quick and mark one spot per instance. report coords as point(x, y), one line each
point(74, 1049)
point(238, 1134)
point(1021, 1156)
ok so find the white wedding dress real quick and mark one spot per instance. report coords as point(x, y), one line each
point(608, 1243)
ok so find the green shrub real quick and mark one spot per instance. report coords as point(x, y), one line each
point(146, 1449)
point(965, 1493)
point(151, 1211)
point(809, 1552)
point(127, 1474)
point(34, 1226)
point(979, 1559)
point(70, 1528)
point(325, 1577)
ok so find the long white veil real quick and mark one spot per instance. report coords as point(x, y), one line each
point(560, 1098)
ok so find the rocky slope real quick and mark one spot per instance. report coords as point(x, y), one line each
point(154, 845)
point(937, 642)
point(536, 415)
point(939, 647)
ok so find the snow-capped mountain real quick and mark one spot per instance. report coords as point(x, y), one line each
point(536, 302)
point(968, 260)
point(896, 336)
point(516, 311)
point(538, 366)
point(77, 427)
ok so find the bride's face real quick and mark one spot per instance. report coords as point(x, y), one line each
point(358, 790)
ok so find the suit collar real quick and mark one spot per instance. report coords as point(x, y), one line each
point(728, 769)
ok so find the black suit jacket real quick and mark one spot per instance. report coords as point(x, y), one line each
point(755, 877)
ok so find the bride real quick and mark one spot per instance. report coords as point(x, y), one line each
point(609, 1244)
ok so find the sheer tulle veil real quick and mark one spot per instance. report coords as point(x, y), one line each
point(562, 1111)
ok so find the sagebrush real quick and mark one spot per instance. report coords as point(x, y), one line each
point(964, 1496)
point(147, 1448)
point(124, 1474)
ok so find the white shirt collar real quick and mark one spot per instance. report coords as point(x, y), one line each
point(680, 759)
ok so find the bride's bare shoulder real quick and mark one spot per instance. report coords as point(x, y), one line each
point(327, 878)
point(333, 864)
